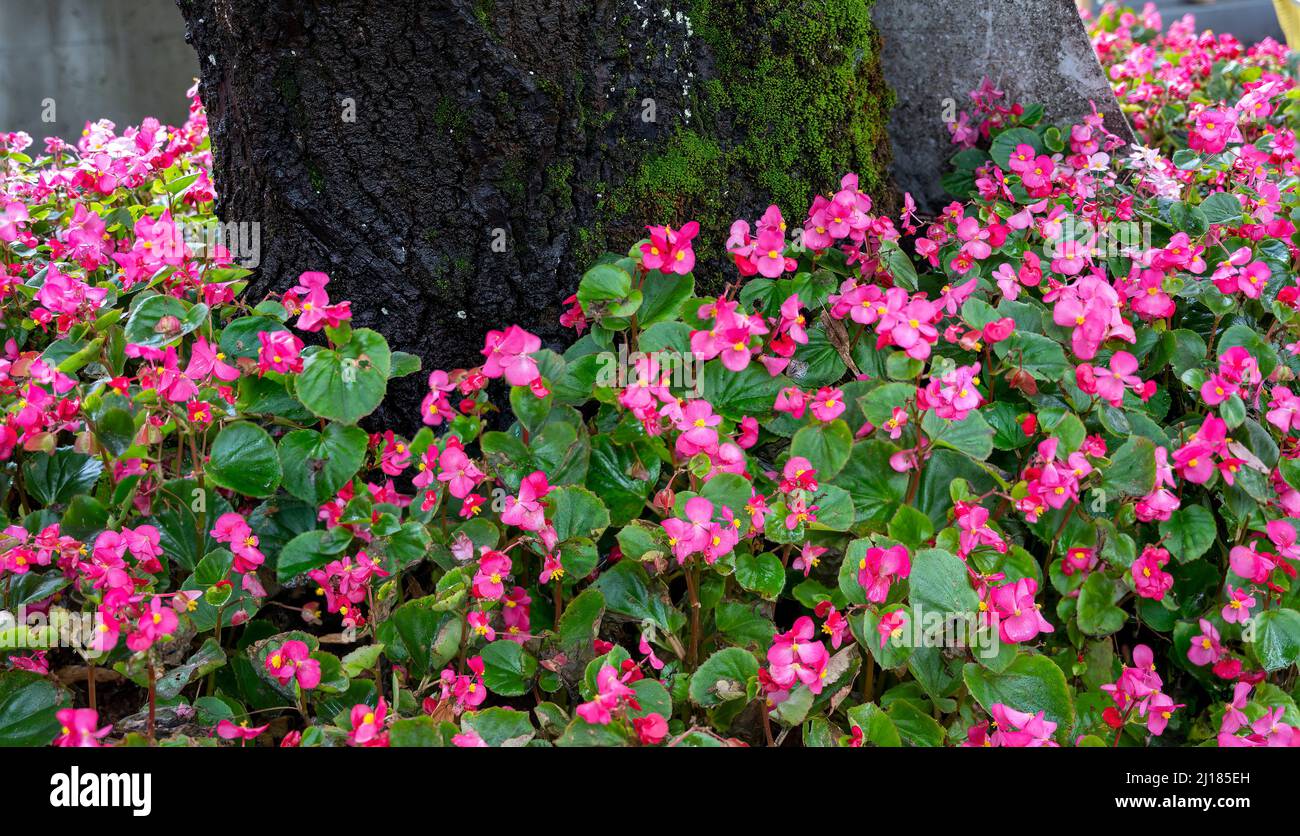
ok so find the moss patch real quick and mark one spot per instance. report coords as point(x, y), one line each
point(803, 80)
point(807, 91)
point(687, 175)
point(798, 85)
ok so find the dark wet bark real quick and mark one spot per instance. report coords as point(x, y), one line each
point(521, 124)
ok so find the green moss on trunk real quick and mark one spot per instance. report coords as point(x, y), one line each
point(796, 97)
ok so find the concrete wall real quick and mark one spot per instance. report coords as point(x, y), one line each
point(1037, 50)
point(937, 51)
point(120, 59)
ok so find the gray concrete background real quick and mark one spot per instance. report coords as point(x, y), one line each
point(937, 50)
point(120, 59)
point(940, 49)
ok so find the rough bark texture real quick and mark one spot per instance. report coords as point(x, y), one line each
point(518, 122)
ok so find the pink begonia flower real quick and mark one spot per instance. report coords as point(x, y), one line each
point(1235, 718)
point(795, 656)
point(1137, 684)
point(468, 690)
point(809, 558)
point(278, 351)
point(1205, 648)
point(14, 213)
point(395, 455)
point(1078, 559)
point(954, 395)
point(999, 330)
point(488, 582)
point(895, 423)
point(834, 625)
point(515, 613)
point(206, 361)
point(1284, 410)
point(293, 662)
point(1008, 281)
point(737, 353)
point(650, 729)
point(748, 432)
point(793, 321)
point(480, 624)
point(1146, 294)
point(1149, 577)
point(800, 512)
point(1018, 729)
point(436, 408)
point(1240, 603)
point(972, 521)
point(527, 511)
point(507, 355)
point(1213, 129)
point(144, 544)
point(1253, 278)
point(228, 730)
point(458, 471)
point(156, 623)
point(1283, 535)
point(904, 460)
point(1216, 389)
point(1018, 616)
point(769, 253)
point(891, 626)
point(697, 423)
point(468, 740)
point(758, 511)
point(912, 329)
point(1091, 307)
point(791, 400)
point(828, 404)
point(670, 251)
point(1038, 174)
point(1194, 461)
point(686, 537)
point(643, 645)
point(1269, 730)
point(368, 725)
point(1160, 503)
point(79, 728)
point(880, 567)
point(1251, 564)
point(312, 302)
point(233, 529)
point(611, 693)
point(1112, 382)
point(552, 569)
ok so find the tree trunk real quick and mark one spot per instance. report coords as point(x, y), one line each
point(455, 165)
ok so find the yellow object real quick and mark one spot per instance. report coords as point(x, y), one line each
point(1288, 14)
